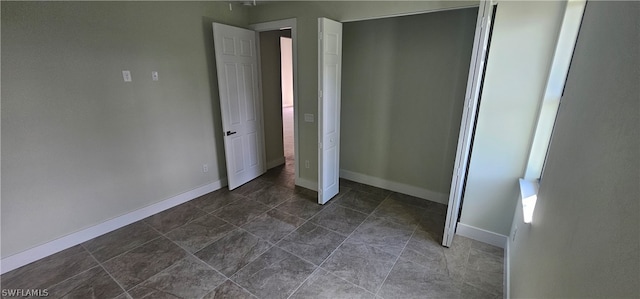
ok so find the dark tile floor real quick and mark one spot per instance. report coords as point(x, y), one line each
point(269, 239)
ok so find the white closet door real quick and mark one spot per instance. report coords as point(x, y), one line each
point(329, 74)
point(476, 68)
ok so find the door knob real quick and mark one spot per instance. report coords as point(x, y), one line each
point(230, 133)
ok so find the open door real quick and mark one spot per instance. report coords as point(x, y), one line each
point(476, 69)
point(329, 74)
point(237, 67)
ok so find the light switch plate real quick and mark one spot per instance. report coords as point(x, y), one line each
point(126, 75)
point(154, 76)
point(308, 117)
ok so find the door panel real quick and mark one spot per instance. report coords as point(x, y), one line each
point(329, 68)
point(476, 69)
point(241, 110)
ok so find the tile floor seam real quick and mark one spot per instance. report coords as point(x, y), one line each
point(396, 261)
point(234, 227)
point(343, 241)
point(352, 209)
point(108, 273)
point(276, 245)
point(192, 255)
point(124, 252)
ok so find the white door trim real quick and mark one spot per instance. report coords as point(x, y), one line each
point(476, 68)
point(277, 25)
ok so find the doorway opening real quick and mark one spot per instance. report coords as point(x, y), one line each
point(277, 55)
point(286, 75)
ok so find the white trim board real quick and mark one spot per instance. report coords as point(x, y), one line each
point(33, 254)
point(275, 162)
point(482, 235)
point(395, 186)
point(507, 272)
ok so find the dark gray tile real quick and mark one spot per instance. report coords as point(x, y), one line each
point(93, 283)
point(490, 282)
point(396, 211)
point(187, 278)
point(302, 204)
point(229, 290)
point(49, 270)
point(241, 211)
point(361, 264)
point(457, 256)
point(360, 201)
point(339, 219)
point(280, 176)
point(424, 251)
point(323, 284)
point(215, 200)
point(415, 201)
point(273, 225)
point(198, 233)
point(311, 242)
point(365, 188)
point(433, 223)
point(232, 252)
point(123, 296)
point(490, 249)
point(139, 264)
point(410, 280)
point(385, 235)
point(275, 274)
point(471, 292)
point(251, 186)
point(121, 240)
point(483, 261)
point(272, 195)
point(174, 217)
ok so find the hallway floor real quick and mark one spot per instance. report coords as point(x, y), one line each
point(270, 239)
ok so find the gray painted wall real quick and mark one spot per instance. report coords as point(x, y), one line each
point(584, 240)
point(403, 88)
point(524, 38)
point(79, 145)
point(271, 94)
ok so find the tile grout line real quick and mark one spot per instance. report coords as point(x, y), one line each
point(192, 255)
point(106, 271)
point(345, 240)
point(396, 261)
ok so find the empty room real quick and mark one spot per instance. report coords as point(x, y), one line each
point(320, 149)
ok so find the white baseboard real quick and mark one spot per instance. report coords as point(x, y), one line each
point(307, 184)
point(507, 271)
point(275, 162)
point(395, 186)
point(481, 235)
point(33, 254)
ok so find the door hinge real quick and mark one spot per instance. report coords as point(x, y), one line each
point(469, 103)
point(320, 145)
point(320, 93)
point(320, 34)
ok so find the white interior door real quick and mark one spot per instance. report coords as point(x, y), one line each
point(241, 109)
point(476, 68)
point(329, 73)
